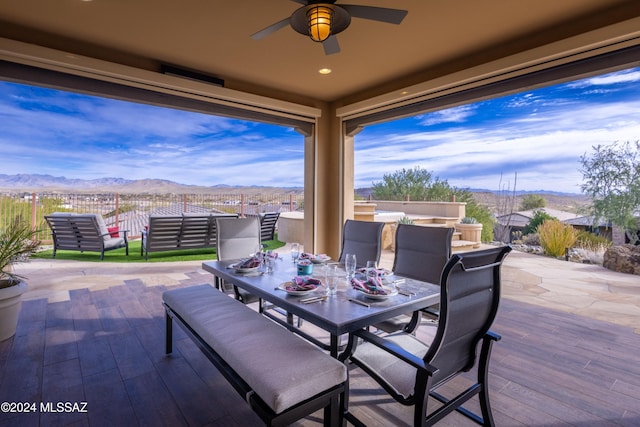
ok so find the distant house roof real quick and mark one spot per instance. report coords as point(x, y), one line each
point(179, 208)
point(522, 218)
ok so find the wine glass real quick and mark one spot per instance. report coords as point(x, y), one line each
point(295, 251)
point(350, 265)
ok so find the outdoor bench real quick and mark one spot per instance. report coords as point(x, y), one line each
point(282, 377)
point(84, 233)
point(174, 232)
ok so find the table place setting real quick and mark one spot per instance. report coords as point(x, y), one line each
point(246, 265)
point(314, 258)
point(373, 287)
point(299, 286)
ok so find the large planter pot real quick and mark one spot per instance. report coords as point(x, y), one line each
point(470, 232)
point(10, 304)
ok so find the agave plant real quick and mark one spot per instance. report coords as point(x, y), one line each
point(468, 220)
point(405, 220)
point(17, 244)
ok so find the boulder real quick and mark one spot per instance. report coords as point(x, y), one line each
point(623, 258)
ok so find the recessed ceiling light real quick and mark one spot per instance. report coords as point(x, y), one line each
point(324, 70)
point(404, 92)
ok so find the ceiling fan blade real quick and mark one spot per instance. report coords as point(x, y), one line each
point(270, 29)
point(331, 45)
point(382, 14)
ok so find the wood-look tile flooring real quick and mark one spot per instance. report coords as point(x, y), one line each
point(106, 348)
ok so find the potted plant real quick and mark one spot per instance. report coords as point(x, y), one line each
point(17, 243)
point(470, 229)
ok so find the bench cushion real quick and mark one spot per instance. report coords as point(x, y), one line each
point(280, 367)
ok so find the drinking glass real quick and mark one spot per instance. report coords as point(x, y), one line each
point(268, 262)
point(350, 265)
point(257, 252)
point(371, 269)
point(295, 251)
point(331, 279)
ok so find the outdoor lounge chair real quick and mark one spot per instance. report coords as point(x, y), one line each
point(268, 222)
point(84, 233)
point(411, 370)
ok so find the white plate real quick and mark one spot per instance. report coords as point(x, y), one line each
point(390, 292)
point(283, 286)
point(244, 270)
point(319, 260)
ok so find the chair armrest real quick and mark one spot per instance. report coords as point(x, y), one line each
point(124, 232)
point(396, 351)
point(493, 336)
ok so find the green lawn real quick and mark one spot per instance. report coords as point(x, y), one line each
point(118, 255)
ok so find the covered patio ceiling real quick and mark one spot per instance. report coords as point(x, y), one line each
point(442, 54)
point(213, 38)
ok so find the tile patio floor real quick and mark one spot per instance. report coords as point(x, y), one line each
point(94, 332)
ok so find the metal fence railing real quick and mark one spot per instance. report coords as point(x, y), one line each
point(131, 211)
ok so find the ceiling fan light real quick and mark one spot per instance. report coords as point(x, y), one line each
point(320, 22)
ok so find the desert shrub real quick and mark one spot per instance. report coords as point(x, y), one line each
point(516, 237)
point(591, 247)
point(538, 218)
point(556, 237)
point(481, 213)
point(533, 201)
point(592, 242)
point(532, 239)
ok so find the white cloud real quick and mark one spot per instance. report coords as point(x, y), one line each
point(450, 115)
point(610, 79)
point(544, 150)
point(541, 136)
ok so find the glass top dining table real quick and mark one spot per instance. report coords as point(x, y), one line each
point(346, 311)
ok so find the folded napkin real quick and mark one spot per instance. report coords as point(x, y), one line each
point(381, 271)
point(303, 284)
point(373, 286)
point(249, 263)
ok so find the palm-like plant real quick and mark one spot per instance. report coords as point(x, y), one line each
point(17, 244)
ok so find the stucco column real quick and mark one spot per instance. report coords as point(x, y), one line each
point(332, 160)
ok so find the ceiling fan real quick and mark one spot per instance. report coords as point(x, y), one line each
point(323, 19)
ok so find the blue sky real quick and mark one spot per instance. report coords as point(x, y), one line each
point(539, 134)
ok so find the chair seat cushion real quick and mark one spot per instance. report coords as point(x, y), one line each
point(280, 367)
point(113, 242)
point(398, 374)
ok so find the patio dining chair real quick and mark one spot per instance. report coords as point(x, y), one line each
point(411, 370)
point(237, 238)
point(362, 238)
point(421, 252)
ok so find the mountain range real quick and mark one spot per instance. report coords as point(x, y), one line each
point(44, 183)
point(47, 183)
